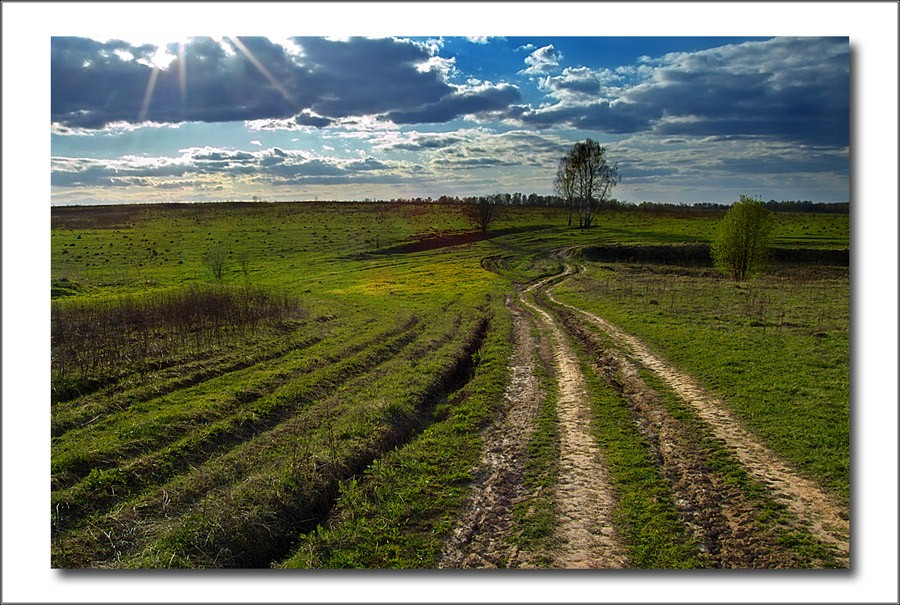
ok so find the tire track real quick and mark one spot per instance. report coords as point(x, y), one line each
point(479, 539)
point(584, 496)
point(826, 519)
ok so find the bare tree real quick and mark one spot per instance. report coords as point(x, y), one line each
point(215, 260)
point(587, 178)
point(565, 184)
point(482, 212)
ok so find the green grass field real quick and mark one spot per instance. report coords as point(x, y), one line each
point(320, 403)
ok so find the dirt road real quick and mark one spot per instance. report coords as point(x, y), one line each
point(822, 515)
point(481, 535)
point(585, 499)
point(723, 519)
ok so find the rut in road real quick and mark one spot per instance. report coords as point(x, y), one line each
point(480, 537)
point(585, 500)
point(826, 519)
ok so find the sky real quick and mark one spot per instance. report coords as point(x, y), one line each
point(213, 118)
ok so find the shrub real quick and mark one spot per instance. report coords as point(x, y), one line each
point(741, 246)
point(94, 337)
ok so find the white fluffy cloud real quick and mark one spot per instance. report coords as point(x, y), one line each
point(542, 61)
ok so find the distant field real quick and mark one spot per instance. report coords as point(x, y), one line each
point(350, 354)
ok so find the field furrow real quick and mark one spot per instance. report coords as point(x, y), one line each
point(291, 470)
point(87, 409)
point(142, 427)
point(102, 488)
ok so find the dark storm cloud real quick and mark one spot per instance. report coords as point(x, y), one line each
point(615, 118)
point(481, 99)
point(364, 77)
point(92, 85)
point(305, 119)
point(791, 89)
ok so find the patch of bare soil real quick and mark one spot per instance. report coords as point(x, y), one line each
point(585, 500)
point(824, 518)
point(480, 538)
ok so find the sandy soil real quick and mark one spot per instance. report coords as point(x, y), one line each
point(584, 497)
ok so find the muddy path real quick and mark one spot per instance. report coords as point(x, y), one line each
point(481, 537)
point(725, 521)
point(584, 497)
point(584, 537)
point(720, 515)
point(826, 520)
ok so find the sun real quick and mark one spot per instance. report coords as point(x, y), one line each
point(162, 58)
point(160, 61)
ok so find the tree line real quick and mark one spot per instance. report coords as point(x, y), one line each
point(536, 199)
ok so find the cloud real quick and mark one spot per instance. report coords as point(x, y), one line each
point(603, 115)
point(215, 166)
point(308, 118)
point(542, 61)
point(481, 147)
point(416, 141)
point(581, 84)
point(793, 89)
point(644, 159)
point(310, 80)
point(465, 100)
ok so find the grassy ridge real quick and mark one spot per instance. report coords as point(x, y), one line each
point(220, 455)
point(247, 501)
point(162, 442)
point(397, 514)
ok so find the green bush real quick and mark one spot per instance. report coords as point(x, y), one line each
point(741, 245)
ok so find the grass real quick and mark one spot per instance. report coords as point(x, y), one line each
point(776, 350)
point(769, 515)
point(93, 342)
point(331, 418)
point(645, 516)
point(397, 514)
point(249, 500)
point(295, 406)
